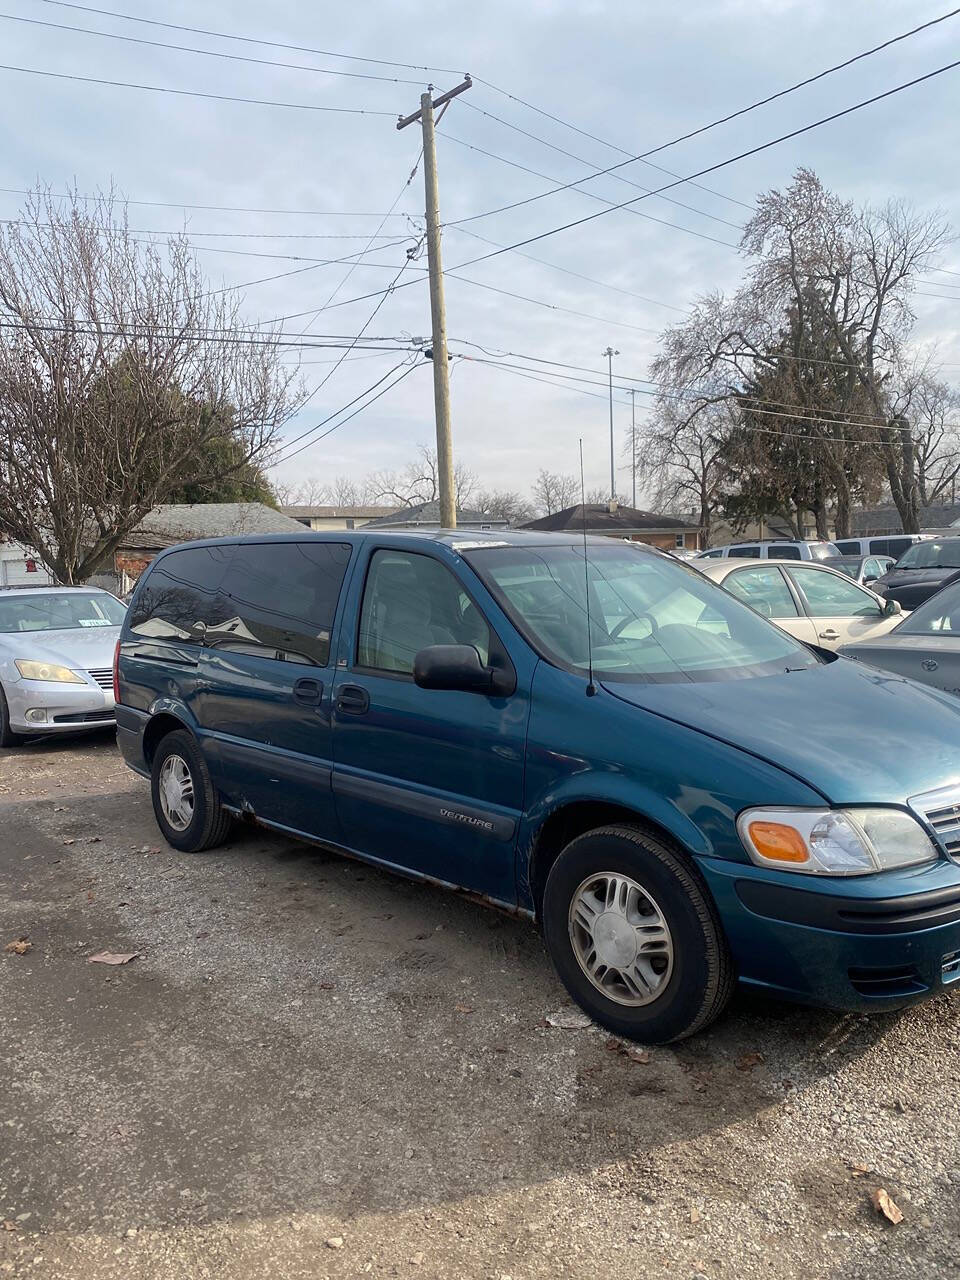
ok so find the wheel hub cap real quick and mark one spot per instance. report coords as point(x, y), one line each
point(176, 792)
point(621, 938)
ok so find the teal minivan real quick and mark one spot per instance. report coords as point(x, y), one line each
point(589, 733)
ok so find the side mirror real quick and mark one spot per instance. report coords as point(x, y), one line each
point(458, 666)
point(891, 608)
point(867, 581)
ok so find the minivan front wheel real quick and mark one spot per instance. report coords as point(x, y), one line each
point(185, 801)
point(635, 937)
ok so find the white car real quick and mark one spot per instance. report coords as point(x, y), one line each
point(56, 660)
point(814, 603)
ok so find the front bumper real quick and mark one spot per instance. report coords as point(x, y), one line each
point(67, 707)
point(867, 942)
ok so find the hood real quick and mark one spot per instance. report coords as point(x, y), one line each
point(907, 577)
point(855, 734)
point(80, 648)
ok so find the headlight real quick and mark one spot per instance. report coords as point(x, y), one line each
point(47, 671)
point(834, 842)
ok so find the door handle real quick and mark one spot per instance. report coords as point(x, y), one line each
point(308, 692)
point(352, 700)
point(829, 634)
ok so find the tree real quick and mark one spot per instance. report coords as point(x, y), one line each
point(503, 504)
point(554, 492)
point(683, 459)
point(224, 476)
point(419, 482)
point(122, 380)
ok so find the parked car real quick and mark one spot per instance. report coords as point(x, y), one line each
point(922, 571)
point(812, 601)
point(863, 569)
point(925, 646)
point(773, 549)
point(884, 545)
point(593, 735)
point(56, 660)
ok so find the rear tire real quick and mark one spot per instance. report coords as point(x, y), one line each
point(7, 737)
point(185, 801)
point(635, 937)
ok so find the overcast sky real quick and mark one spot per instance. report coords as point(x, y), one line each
point(634, 74)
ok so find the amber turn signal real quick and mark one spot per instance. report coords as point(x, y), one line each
point(778, 842)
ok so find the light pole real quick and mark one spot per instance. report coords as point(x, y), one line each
point(633, 444)
point(610, 353)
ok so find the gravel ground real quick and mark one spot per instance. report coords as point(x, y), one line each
point(312, 1069)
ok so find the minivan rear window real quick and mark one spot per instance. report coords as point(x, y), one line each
point(178, 598)
point(280, 600)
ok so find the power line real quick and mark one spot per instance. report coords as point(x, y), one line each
point(207, 53)
point(722, 164)
point(591, 195)
point(210, 208)
point(225, 235)
point(554, 266)
point(743, 155)
point(713, 124)
point(229, 337)
point(406, 373)
point(597, 171)
point(196, 93)
point(552, 306)
point(273, 44)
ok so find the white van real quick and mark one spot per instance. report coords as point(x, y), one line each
point(774, 549)
point(893, 544)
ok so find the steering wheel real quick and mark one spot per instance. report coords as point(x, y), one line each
point(625, 622)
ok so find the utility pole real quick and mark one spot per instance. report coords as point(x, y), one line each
point(610, 353)
point(633, 445)
point(441, 362)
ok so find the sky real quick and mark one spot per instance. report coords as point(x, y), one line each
point(632, 75)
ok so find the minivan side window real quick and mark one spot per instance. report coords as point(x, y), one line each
point(783, 551)
point(411, 601)
point(889, 546)
point(179, 595)
point(745, 553)
point(279, 600)
point(851, 548)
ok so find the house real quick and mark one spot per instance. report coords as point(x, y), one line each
point(879, 520)
point(426, 515)
point(20, 567)
point(172, 523)
point(336, 517)
point(615, 521)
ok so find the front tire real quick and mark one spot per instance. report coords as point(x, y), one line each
point(7, 737)
point(635, 937)
point(185, 801)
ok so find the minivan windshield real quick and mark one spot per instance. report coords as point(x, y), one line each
point(936, 553)
point(60, 611)
point(651, 617)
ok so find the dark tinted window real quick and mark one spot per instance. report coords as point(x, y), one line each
point(890, 546)
point(410, 602)
point(179, 592)
point(851, 548)
point(279, 600)
point(783, 551)
point(744, 553)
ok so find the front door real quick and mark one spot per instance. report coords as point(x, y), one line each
point(424, 779)
point(267, 682)
point(764, 588)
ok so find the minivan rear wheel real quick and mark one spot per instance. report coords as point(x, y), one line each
point(635, 937)
point(185, 801)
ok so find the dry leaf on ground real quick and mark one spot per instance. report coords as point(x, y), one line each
point(883, 1203)
point(463, 1008)
point(19, 947)
point(857, 1169)
point(113, 957)
point(747, 1061)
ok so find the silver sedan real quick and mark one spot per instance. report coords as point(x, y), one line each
point(56, 660)
point(925, 645)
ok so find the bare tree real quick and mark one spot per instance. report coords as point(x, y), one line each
point(553, 492)
point(503, 504)
point(419, 482)
point(119, 373)
point(683, 458)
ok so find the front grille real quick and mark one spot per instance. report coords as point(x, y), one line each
point(940, 812)
point(103, 676)
point(86, 717)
